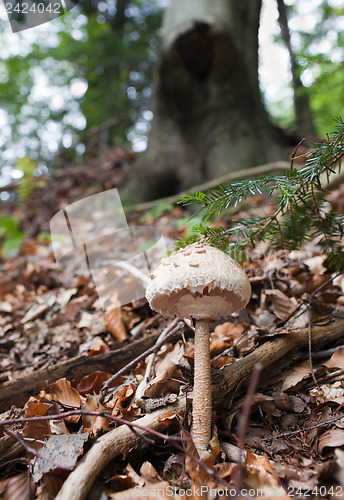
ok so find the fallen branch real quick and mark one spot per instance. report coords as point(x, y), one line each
point(117, 442)
point(121, 440)
point(18, 391)
point(272, 351)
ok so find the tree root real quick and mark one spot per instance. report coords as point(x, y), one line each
point(116, 442)
point(121, 440)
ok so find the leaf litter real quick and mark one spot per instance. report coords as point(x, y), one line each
point(294, 437)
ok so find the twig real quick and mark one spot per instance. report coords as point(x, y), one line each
point(310, 347)
point(135, 361)
point(18, 391)
point(101, 413)
point(305, 429)
point(244, 418)
point(33, 451)
point(294, 153)
point(121, 440)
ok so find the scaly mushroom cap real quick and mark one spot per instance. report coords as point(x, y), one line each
point(200, 282)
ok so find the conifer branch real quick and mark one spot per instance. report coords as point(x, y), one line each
point(300, 214)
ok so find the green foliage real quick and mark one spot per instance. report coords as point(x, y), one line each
point(319, 48)
point(41, 78)
point(300, 213)
point(10, 235)
point(156, 211)
point(27, 182)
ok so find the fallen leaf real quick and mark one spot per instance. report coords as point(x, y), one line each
point(92, 423)
point(333, 438)
point(148, 471)
point(168, 418)
point(65, 394)
point(85, 320)
point(282, 305)
point(100, 347)
point(114, 322)
point(295, 375)
point(37, 429)
point(122, 482)
point(123, 399)
point(59, 452)
point(91, 384)
point(336, 360)
point(20, 487)
point(315, 264)
point(165, 369)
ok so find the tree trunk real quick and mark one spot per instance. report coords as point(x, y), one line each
point(208, 115)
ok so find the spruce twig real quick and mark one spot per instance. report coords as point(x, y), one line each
point(300, 214)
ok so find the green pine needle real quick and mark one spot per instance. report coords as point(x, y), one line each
point(300, 214)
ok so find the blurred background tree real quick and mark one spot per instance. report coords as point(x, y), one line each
point(88, 84)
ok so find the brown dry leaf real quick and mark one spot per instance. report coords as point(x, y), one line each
point(59, 452)
point(37, 310)
point(85, 320)
point(165, 369)
point(114, 322)
point(53, 482)
point(123, 399)
point(197, 473)
point(222, 361)
point(122, 482)
point(168, 418)
point(37, 429)
point(38, 408)
point(91, 384)
point(149, 472)
point(58, 427)
point(259, 474)
point(229, 330)
point(329, 392)
point(295, 375)
point(336, 360)
point(333, 438)
point(20, 487)
point(100, 347)
point(65, 394)
point(92, 423)
point(282, 305)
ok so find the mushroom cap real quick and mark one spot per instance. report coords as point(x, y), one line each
point(200, 281)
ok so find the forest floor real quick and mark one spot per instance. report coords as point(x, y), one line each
point(277, 422)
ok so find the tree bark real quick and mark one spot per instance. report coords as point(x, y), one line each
point(208, 115)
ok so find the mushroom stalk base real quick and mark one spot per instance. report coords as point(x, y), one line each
point(201, 413)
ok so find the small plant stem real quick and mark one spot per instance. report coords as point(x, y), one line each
point(201, 413)
point(244, 420)
point(310, 347)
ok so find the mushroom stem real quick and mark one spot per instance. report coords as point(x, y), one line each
point(201, 413)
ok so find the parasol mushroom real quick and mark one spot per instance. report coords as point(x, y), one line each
point(202, 283)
